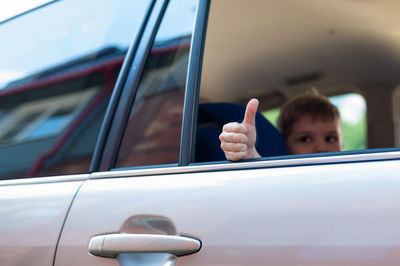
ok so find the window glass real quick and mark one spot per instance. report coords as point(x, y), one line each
point(152, 135)
point(16, 8)
point(56, 77)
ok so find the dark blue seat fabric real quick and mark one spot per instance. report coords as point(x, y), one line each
point(212, 117)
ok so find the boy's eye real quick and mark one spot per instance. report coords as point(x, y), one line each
point(305, 139)
point(331, 139)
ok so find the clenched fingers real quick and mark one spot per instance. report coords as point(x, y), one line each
point(234, 127)
point(233, 137)
point(233, 147)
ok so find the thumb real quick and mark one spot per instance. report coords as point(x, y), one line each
point(250, 114)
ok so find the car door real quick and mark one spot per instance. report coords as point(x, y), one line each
point(149, 203)
point(58, 66)
point(260, 214)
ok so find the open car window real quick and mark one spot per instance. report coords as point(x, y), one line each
point(275, 51)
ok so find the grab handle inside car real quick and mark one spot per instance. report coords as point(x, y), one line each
point(114, 244)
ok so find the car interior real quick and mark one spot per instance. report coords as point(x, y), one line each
point(212, 117)
point(275, 50)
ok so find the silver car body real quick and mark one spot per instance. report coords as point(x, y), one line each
point(329, 209)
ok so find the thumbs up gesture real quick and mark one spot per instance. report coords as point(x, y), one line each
point(238, 139)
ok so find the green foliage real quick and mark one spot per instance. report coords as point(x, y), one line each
point(272, 115)
point(354, 135)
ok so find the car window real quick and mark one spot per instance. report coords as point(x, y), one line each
point(275, 51)
point(16, 9)
point(152, 134)
point(56, 77)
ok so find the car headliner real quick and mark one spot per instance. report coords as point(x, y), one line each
point(264, 48)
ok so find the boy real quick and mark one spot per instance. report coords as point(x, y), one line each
point(309, 124)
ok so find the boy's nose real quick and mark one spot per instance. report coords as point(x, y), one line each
point(320, 146)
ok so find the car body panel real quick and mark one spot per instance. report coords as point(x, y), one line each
point(32, 215)
point(300, 215)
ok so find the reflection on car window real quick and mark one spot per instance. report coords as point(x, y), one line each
point(42, 118)
point(152, 135)
point(56, 76)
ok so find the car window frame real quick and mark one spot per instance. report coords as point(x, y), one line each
point(192, 92)
point(127, 85)
point(125, 88)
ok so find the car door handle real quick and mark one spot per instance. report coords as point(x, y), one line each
point(113, 244)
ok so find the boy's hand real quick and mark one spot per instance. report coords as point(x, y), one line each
point(238, 139)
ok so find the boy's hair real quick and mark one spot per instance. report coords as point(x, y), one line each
point(316, 106)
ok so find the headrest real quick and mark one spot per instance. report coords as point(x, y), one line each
point(212, 117)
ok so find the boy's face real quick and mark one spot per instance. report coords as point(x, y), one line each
point(314, 135)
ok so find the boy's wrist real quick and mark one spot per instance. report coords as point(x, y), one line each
point(254, 154)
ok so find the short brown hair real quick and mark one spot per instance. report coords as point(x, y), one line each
point(316, 106)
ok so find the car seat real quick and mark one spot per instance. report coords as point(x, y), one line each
point(212, 117)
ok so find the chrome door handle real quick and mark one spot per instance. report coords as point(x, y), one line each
point(113, 244)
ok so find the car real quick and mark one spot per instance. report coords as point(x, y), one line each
point(110, 113)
